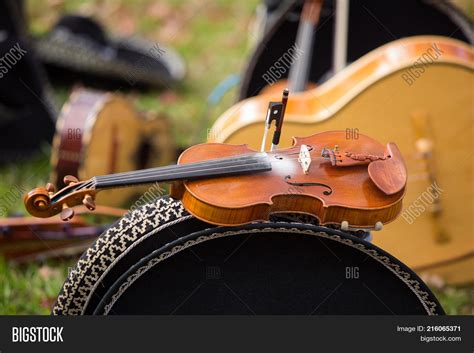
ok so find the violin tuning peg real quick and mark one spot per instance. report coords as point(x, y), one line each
point(89, 202)
point(70, 179)
point(67, 213)
point(50, 187)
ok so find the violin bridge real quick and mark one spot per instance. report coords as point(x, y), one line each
point(304, 158)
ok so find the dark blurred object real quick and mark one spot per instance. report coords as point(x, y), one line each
point(372, 23)
point(268, 12)
point(26, 110)
point(152, 259)
point(78, 50)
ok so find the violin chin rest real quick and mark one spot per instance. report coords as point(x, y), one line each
point(390, 174)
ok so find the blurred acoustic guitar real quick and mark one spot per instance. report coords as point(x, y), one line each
point(101, 133)
point(419, 92)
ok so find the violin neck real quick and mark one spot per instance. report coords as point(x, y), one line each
point(212, 168)
point(299, 72)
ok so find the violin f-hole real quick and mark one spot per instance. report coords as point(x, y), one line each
point(326, 192)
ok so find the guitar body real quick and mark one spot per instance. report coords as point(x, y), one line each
point(278, 87)
point(101, 133)
point(428, 113)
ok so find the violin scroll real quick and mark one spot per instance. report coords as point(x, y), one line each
point(44, 202)
point(38, 202)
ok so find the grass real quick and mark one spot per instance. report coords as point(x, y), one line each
point(456, 301)
point(212, 37)
point(33, 288)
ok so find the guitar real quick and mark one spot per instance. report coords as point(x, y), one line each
point(417, 91)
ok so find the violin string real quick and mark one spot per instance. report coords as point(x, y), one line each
point(135, 174)
point(137, 177)
point(171, 175)
point(183, 168)
point(151, 171)
point(145, 179)
point(117, 177)
point(193, 167)
point(177, 168)
point(217, 160)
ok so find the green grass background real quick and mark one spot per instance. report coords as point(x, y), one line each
point(213, 37)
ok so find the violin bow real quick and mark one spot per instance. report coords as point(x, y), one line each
point(275, 112)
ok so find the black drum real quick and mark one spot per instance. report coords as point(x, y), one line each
point(372, 23)
point(159, 259)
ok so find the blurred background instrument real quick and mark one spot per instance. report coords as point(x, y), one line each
point(369, 24)
point(78, 49)
point(101, 133)
point(298, 77)
point(26, 239)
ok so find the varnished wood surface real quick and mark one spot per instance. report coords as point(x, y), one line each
point(390, 174)
point(236, 200)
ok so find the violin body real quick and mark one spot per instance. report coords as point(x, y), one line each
point(331, 193)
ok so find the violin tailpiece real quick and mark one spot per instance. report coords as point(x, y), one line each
point(388, 172)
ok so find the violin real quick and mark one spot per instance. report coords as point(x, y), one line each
point(358, 184)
